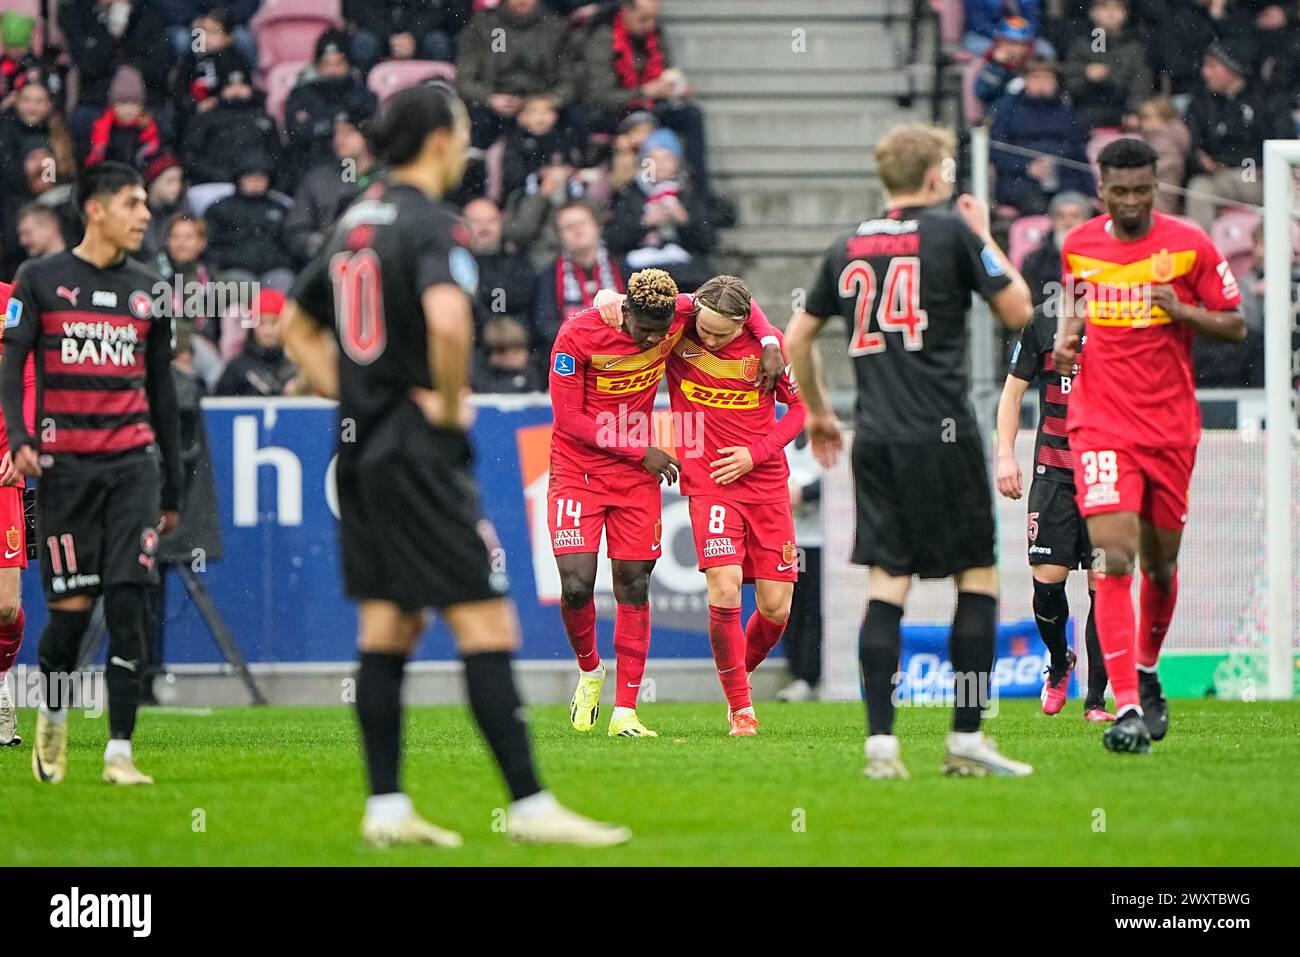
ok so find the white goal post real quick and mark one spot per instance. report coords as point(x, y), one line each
point(1281, 157)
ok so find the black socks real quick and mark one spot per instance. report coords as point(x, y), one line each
point(490, 684)
point(1051, 612)
point(972, 646)
point(879, 644)
point(379, 712)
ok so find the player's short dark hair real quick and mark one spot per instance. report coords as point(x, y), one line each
point(652, 295)
point(396, 134)
point(105, 179)
point(1127, 153)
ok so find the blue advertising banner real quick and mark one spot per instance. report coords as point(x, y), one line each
point(279, 586)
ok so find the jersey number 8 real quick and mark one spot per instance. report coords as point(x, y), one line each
point(899, 309)
point(359, 305)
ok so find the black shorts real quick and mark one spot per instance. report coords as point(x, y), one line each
point(97, 522)
point(923, 509)
point(411, 529)
point(1058, 534)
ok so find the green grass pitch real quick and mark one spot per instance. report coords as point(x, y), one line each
point(276, 786)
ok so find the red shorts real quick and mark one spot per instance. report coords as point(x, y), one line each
point(1111, 477)
point(625, 504)
point(13, 528)
point(759, 537)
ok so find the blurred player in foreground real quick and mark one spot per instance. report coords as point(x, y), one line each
point(605, 473)
point(903, 282)
point(1058, 537)
point(13, 521)
point(107, 455)
point(391, 287)
point(1146, 284)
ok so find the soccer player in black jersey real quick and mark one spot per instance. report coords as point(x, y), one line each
point(381, 319)
point(1058, 535)
point(903, 281)
point(107, 452)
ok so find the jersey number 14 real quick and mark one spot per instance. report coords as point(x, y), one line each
point(898, 310)
point(359, 305)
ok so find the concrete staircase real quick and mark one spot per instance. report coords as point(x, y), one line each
point(794, 94)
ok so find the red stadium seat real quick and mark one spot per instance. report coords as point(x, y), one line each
point(393, 75)
point(1027, 234)
point(288, 29)
point(1234, 235)
point(280, 80)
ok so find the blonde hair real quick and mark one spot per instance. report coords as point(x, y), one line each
point(652, 294)
point(906, 153)
point(725, 295)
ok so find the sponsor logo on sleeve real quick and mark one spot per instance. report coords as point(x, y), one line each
point(991, 264)
point(13, 313)
point(565, 364)
point(463, 269)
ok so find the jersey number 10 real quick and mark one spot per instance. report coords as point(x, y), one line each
point(359, 305)
point(899, 309)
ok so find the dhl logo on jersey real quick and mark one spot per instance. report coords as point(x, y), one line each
point(720, 398)
point(622, 385)
point(745, 369)
point(1119, 292)
point(637, 361)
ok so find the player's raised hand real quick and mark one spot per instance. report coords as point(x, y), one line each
point(660, 463)
point(610, 304)
point(736, 461)
point(1009, 481)
point(824, 434)
point(1064, 353)
point(27, 463)
point(771, 368)
point(975, 212)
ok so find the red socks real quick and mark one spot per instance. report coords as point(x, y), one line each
point(580, 626)
point(11, 639)
point(1116, 632)
point(728, 641)
point(631, 647)
point(1157, 608)
point(761, 636)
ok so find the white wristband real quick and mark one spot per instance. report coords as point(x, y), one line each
point(770, 341)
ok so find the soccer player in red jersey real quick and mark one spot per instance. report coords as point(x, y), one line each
point(605, 473)
point(739, 485)
point(14, 557)
point(1146, 284)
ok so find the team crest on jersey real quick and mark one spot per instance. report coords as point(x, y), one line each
point(788, 553)
point(13, 539)
point(749, 368)
point(1162, 266)
point(140, 304)
point(659, 533)
point(148, 546)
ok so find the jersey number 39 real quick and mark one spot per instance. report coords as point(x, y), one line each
point(359, 305)
point(899, 309)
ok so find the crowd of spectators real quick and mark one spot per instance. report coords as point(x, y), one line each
point(587, 161)
point(1205, 82)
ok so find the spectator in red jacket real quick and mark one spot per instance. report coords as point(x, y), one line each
point(125, 132)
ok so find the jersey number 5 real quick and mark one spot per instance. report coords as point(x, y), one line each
point(359, 305)
point(899, 309)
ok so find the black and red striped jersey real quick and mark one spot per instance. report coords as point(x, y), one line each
point(103, 363)
point(1032, 361)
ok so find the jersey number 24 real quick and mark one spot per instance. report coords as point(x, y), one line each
point(898, 310)
point(359, 305)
